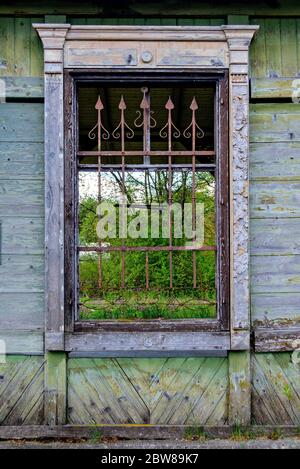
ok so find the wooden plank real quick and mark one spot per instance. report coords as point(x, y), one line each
point(24, 87)
point(36, 50)
point(151, 341)
point(270, 88)
point(282, 308)
point(275, 274)
point(23, 342)
point(55, 388)
point(276, 340)
point(237, 19)
point(99, 392)
point(22, 273)
point(21, 198)
point(22, 236)
point(274, 122)
point(21, 389)
point(23, 311)
point(22, 46)
point(275, 199)
point(276, 385)
point(275, 237)
point(7, 41)
point(289, 47)
point(239, 388)
point(258, 61)
point(21, 122)
point(22, 160)
point(277, 161)
point(273, 48)
point(191, 395)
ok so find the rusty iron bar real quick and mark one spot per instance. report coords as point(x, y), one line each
point(146, 153)
point(150, 167)
point(145, 248)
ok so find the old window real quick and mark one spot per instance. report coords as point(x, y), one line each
point(150, 180)
point(144, 128)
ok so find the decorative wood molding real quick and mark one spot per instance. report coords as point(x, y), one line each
point(146, 47)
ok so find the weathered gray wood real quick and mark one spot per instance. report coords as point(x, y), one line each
point(151, 341)
point(275, 274)
point(277, 340)
point(21, 197)
point(21, 122)
point(21, 160)
point(268, 88)
point(275, 307)
point(22, 235)
point(275, 237)
point(275, 199)
point(55, 388)
point(239, 388)
point(23, 341)
point(23, 87)
point(22, 311)
point(54, 185)
point(276, 161)
point(274, 122)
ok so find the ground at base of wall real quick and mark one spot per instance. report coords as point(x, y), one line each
point(229, 443)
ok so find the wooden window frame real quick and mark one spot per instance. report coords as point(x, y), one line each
point(214, 50)
point(72, 78)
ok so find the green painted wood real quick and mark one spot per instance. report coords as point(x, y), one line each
point(275, 307)
point(21, 50)
point(55, 388)
point(7, 41)
point(22, 34)
point(189, 391)
point(21, 197)
point(273, 88)
point(274, 122)
point(22, 160)
point(238, 19)
point(239, 388)
point(258, 62)
point(22, 311)
point(273, 48)
point(275, 199)
point(279, 161)
point(22, 236)
point(23, 87)
point(21, 122)
point(22, 273)
point(21, 391)
point(289, 47)
point(275, 274)
point(23, 342)
point(276, 390)
point(275, 237)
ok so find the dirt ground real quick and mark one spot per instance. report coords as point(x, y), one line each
point(258, 443)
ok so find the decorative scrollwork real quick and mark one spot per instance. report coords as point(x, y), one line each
point(102, 132)
point(169, 128)
point(193, 129)
point(117, 132)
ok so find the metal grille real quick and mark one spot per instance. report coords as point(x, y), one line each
point(201, 160)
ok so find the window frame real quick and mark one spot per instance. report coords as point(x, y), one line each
point(72, 79)
point(212, 48)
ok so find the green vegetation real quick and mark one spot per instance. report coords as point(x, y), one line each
point(135, 301)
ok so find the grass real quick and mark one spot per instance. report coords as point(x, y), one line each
point(145, 305)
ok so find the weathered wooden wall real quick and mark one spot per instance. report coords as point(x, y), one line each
point(180, 391)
